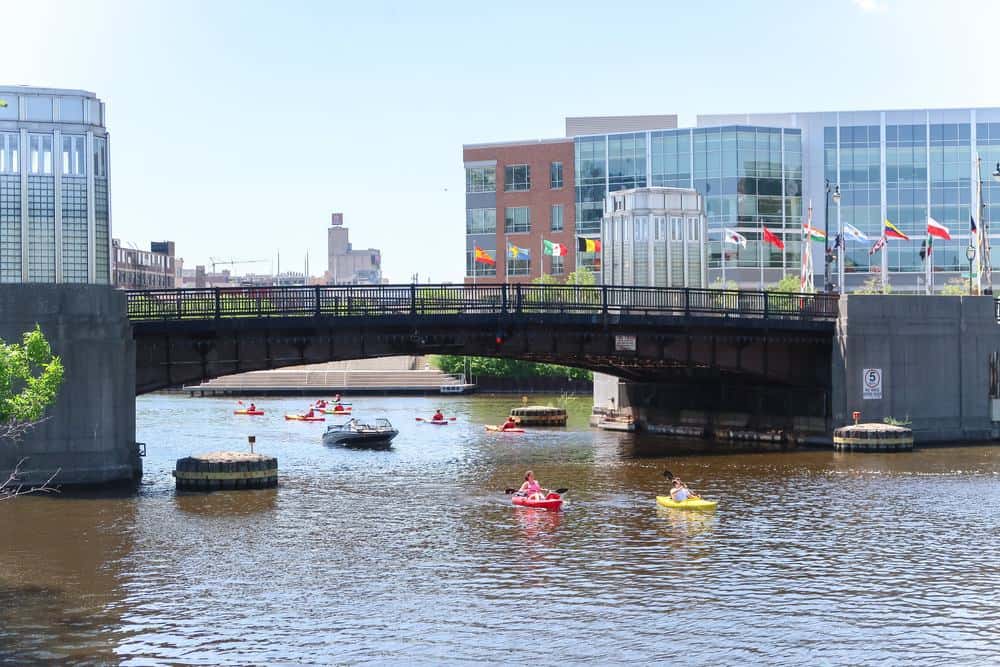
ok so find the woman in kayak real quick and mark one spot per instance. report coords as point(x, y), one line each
point(679, 491)
point(531, 488)
point(509, 424)
point(438, 416)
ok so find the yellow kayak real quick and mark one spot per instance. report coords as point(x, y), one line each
point(689, 504)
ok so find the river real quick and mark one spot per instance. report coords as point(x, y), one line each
point(415, 556)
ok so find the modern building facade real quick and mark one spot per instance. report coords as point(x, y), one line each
point(347, 265)
point(55, 213)
point(142, 269)
point(759, 171)
point(654, 237)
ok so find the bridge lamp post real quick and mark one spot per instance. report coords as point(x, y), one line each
point(828, 253)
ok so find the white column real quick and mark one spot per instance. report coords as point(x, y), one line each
point(25, 163)
point(883, 209)
point(57, 165)
point(929, 278)
point(91, 215)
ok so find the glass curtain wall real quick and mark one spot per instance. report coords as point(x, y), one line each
point(988, 146)
point(951, 175)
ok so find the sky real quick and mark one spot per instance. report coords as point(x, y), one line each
point(238, 127)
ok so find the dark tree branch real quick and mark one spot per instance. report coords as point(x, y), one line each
point(12, 487)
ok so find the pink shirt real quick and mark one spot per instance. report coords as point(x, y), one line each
point(533, 487)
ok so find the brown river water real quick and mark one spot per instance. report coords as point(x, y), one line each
point(415, 556)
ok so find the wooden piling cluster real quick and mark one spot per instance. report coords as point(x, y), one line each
point(873, 438)
point(226, 470)
point(539, 415)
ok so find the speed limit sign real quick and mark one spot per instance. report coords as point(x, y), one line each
point(871, 383)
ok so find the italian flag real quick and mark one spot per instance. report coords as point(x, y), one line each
point(554, 249)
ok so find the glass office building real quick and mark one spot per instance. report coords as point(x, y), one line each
point(902, 166)
point(750, 177)
point(54, 200)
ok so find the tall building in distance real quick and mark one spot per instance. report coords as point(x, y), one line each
point(156, 268)
point(346, 265)
point(757, 171)
point(55, 219)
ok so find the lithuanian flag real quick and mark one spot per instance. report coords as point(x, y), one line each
point(892, 232)
point(483, 257)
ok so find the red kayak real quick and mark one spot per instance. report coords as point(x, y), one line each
point(248, 412)
point(552, 502)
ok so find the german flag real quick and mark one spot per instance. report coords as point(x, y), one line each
point(588, 245)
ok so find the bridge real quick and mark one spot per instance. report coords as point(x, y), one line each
point(740, 340)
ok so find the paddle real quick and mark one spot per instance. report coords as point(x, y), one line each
point(421, 419)
point(670, 475)
point(509, 491)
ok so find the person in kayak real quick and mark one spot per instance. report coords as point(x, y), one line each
point(338, 408)
point(509, 424)
point(310, 414)
point(321, 403)
point(531, 488)
point(336, 398)
point(679, 491)
point(252, 408)
point(438, 416)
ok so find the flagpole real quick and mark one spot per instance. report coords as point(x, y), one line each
point(722, 249)
point(760, 256)
point(885, 260)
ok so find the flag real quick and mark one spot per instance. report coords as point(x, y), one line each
point(853, 233)
point(729, 236)
point(892, 232)
point(972, 225)
point(838, 241)
point(588, 245)
point(935, 228)
point(483, 257)
point(773, 239)
point(878, 246)
point(517, 252)
point(813, 233)
point(554, 249)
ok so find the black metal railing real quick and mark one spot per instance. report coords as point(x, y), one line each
point(491, 299)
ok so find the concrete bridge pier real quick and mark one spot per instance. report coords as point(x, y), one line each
point(90, 431)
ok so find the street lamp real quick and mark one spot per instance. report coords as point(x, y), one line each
point(828, 254)
point(970, 254)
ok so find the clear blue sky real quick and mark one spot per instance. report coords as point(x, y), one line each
point(238, 127)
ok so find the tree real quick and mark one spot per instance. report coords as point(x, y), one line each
point(787, 285)
point(30, 377)
point(727, 285)
point(582, 276)
point(545, 279)
point(956, 287)
point(873, 286)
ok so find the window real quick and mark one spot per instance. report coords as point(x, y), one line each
point(517, 220)
point(39, 108)
point(517, 178)
point(641, 229)
point(518, 267)
point(558, 266)
point(557, 217)
point(73, 162)
point(40, 153)
point(675, 229)
point(100, 157)
point(481, 179)
point(71, 109)
point(556, 175)
point(10, 154)
point(481, 221)
point(661, 228)
point(694, 230)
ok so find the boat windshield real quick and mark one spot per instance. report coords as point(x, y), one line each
point(382, 422)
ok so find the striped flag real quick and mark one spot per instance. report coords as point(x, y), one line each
point(935, 228)
point(893, 232)
point(878, 246)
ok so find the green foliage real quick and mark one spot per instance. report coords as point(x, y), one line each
point(545, 279)
point(956, 287)
point(787, 285)
point(583, 277)
point(892, 421)
point(873, 286)
point(30, 378)
point(728, 285)
point(494, 367)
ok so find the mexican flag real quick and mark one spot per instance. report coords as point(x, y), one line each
point(554, 249)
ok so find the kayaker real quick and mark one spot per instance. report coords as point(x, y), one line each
point(438, 416)
point(531, 488)
point(252, 408)
point(338, 408)
point(321, 403)
point(679, 491)
point(336, 398)
point(310, 414)
point(509, 424)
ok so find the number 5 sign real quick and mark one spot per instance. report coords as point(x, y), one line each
point(871, 383)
